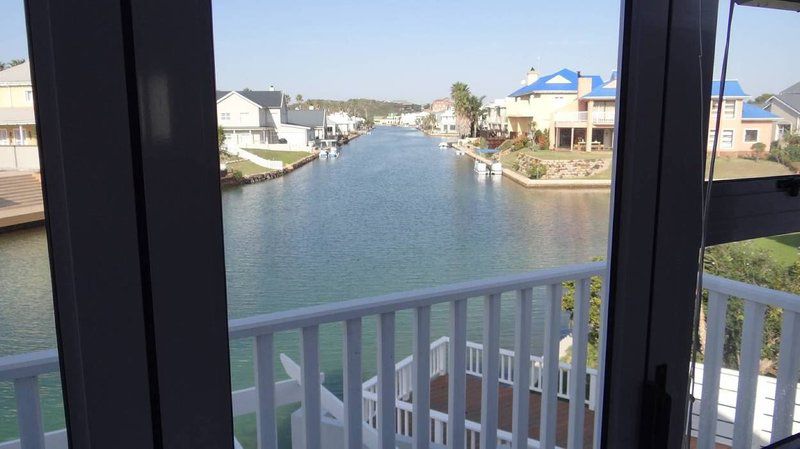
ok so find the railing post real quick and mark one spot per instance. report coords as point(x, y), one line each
point(788, 368)
point(421, 378)
point(386, 385)
point(712, 364)
point(550, 368)
point(456, 367)
point(311, 389)
point(752, 334)
point(266, 432)
point(491, 369)
point(577, 375)
point(29, 413)
point(351, 355)
point(522, 369)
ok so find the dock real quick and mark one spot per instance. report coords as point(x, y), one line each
point(21, 202)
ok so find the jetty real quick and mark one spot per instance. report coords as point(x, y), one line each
point(21, 202)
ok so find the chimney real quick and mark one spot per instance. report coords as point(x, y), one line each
point(531, 77)
point(271, 87)
point(584, 85)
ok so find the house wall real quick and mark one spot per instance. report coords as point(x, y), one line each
point(298, 137)
point(235, 105)
point(14, 96)
point(787, 116)
point(522, 110)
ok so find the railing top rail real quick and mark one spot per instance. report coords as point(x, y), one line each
point(749, 292)
point(393, 302)
point(28, 364)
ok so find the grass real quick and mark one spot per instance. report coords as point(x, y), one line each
point(287, 157)
point(247, 168)
point(733, 168)
point(783, 248)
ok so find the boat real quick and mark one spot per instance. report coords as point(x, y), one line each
point(459, 152)
point(480, 168)
point(323, 154)
point(497, 168)
point(444, 145)
point(334, 151)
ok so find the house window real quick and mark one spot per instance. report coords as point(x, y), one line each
point(225, 116)
point(729, 109)
point(751, 135)
point(243, 116)
point(726, 143)
point(3, 137)
point(29, 96)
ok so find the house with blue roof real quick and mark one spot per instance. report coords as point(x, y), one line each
point(742, 125)
point(532, 106)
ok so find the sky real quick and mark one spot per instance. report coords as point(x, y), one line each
point(414, 50)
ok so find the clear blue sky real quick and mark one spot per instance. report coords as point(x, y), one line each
point(414, 50)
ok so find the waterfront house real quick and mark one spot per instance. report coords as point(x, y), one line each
point(259, 118)
point(593, 114)
point(786, 105)
point(18, 139)
point(441, 104)
point(495, 119)
point(532, 106)
point(316, 119)
point(446, 121)
point(341, 123)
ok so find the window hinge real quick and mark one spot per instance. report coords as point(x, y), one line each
point(789, 185)
point(656, 408)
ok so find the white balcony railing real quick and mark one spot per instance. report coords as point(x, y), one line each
point(603, 117)
point(389, 418)
point(572, 117)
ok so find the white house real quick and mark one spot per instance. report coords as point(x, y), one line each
point(446, 121)
point(258, 118)
point(495, 118)
point(342, 123)
point(315, 119)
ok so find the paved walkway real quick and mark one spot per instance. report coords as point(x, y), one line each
point(20, 199)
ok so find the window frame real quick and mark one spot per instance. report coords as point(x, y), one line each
point(758, 135)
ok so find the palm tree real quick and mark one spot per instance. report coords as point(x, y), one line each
point(460, 94)
point(15, 62)
point(299, 99)
point(474, 112)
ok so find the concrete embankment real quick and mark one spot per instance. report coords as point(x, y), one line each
point(540, 183)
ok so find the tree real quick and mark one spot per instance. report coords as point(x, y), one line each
point(287, 99)
point(247, 89)
point(460, 94)
point(761, 99)
point(428, 122)
point(220, 138)
point(299, 99)
point(474, 112)
point(758, 149)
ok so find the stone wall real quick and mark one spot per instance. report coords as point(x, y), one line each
point(564, 169)
point(230, 180)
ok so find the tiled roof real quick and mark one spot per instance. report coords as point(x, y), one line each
point(263, 98)
point(20, 73)
point(311, 119)
point(732, 89)
point(564, 80)
point(753, 112)
point(607, 91)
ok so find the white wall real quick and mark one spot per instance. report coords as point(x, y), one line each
point(19, 158)
point(298, 137)
point(236, 105)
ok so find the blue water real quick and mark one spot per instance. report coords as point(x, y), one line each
point(393, 213)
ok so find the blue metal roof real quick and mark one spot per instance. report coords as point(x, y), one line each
point(605, 92)
point(732, 89)
point(542, 84)
point(753, 112)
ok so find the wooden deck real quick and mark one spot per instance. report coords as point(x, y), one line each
point(20, 200)
point(473, 406)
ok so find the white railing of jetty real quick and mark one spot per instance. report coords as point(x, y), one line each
point(24, 370)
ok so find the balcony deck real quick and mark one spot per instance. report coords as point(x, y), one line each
point(473, 406)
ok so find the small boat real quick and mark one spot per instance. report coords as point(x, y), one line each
point(497, 168)
point(444, 145)
point(334, 151)
point(459, 152)
point(480, 168)
point(323, 154)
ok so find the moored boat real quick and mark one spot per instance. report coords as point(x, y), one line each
point(497, 168)
point(480, 168)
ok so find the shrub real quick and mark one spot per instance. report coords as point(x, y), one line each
point(481, 142)
point(758, 148)
point(237, 175)
point(542, 139)
point(537, 170)
point(519, 143)
point(515, 166)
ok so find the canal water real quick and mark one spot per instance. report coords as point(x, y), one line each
point(393, 213)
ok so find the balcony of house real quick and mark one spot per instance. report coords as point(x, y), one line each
point(603, 117)
point(567, 119)
point(435, 396)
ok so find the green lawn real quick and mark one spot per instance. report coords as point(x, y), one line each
point(247, 168)
point(784, 248)
point(287, 157)
point(733, 168)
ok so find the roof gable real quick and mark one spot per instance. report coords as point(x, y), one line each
point(793, 89)
point(20, 73)
point(791, 101)
point(564, 80)
point(261, 98)
point(607, 91)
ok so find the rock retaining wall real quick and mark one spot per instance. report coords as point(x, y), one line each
point(230, 180)
point(564, 169)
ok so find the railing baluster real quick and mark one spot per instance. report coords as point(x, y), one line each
point(29, 413)
point(457, 387)
point(351, 355)
point(522, 369)
point(788, 369)
point(491, 371)
point(266, 431)
point(386, 385)
point(420, 407)
point(577, 376)
point(311, 388)
point(550, 369)
point(752, 335)
point(598, 392)
point(712, 364)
